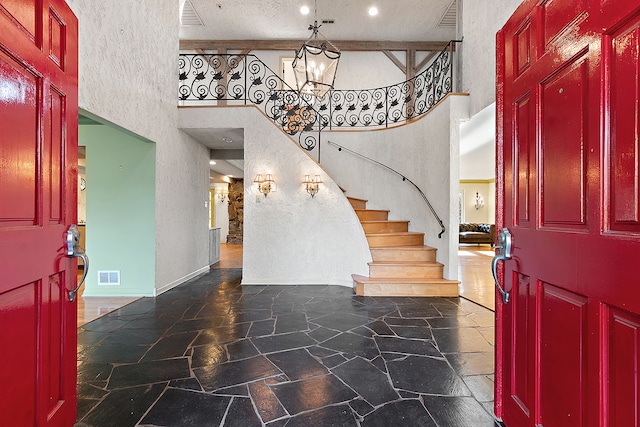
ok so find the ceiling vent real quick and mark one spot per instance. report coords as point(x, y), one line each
point(189, 16)
point(450, 17)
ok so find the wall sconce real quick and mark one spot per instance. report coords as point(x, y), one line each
point(223, 195)
point(264, 184)
point(312, 185)
point(479, 201)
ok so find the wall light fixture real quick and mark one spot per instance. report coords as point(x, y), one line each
point(312, 185)
point(479, 201)
point(264, 184)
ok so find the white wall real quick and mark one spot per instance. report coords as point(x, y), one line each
point(289, 238)
point(480, 23)
point(127, 77)
point(221, 211)
point(486, 189)
point(426, 152)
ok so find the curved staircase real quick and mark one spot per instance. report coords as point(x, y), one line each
point(402, 265)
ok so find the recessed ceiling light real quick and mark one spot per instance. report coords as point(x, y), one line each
point(212, 162)
point(304, 10)
point(373, 11)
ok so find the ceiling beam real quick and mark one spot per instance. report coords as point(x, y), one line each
point(343, 45)
point(226, 154)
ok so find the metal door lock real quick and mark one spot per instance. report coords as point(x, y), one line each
point(73, 244)
point(504, 254)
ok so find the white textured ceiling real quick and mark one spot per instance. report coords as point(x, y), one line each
point(397, 20)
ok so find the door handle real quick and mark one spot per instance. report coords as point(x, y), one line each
point(504, 254)
point(73, 243)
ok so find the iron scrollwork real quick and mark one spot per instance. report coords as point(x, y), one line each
point(227, 79)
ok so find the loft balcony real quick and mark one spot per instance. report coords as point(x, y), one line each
point(233, 79)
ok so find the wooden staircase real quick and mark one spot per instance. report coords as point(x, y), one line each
point(402, 265)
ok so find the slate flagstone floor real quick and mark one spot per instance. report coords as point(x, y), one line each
point(213, 353)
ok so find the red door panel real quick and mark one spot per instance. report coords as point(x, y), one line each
point(522, 387)
point(620, 355)
point(563, 341)
point(16, 306)
point(19, 146)
point(568, 99)
point(38, 203)
point(24, 13)
point(555, 16)
point(563, 126)
point(623, 77)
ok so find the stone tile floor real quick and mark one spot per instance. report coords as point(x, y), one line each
point(213, 353)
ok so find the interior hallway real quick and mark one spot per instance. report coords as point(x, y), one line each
point(90, 308)
point(212, 352)
point(474, 271)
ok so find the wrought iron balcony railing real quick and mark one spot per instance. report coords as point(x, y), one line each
point(214, 79)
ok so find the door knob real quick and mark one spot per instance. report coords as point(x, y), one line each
point(73, 243)
point(504, 254)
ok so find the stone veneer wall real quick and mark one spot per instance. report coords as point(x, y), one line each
point(236, 211)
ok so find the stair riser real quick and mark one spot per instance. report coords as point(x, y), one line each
point(407, 289)
point(403, 240)
point(405, 271)
point(358, 204)
point(386, 227)
point(372, 215)
point(386, 254)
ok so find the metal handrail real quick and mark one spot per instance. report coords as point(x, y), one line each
point(404, 178)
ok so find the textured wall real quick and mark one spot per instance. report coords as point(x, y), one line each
point(128, 77)
point(480, 23)
point(289, 238)
point(426, 152)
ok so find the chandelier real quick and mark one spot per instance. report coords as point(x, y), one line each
point(316, 62)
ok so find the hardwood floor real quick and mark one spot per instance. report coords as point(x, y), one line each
point(90, 308)
point(230, 256)
point(474, 273)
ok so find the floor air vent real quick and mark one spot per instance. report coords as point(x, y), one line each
point(109, 278)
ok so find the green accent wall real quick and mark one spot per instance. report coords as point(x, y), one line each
point(120, 230)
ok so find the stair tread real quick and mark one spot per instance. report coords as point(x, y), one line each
point(396, 233)
point(372, 210)
point(382, 221)
point(365, 279)
point(407, 263)
point(404, 248)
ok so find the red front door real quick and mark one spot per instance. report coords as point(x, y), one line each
point(38, 175)
point(569, 193)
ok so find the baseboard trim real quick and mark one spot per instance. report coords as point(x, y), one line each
point(181, 280)
point(344, 283)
